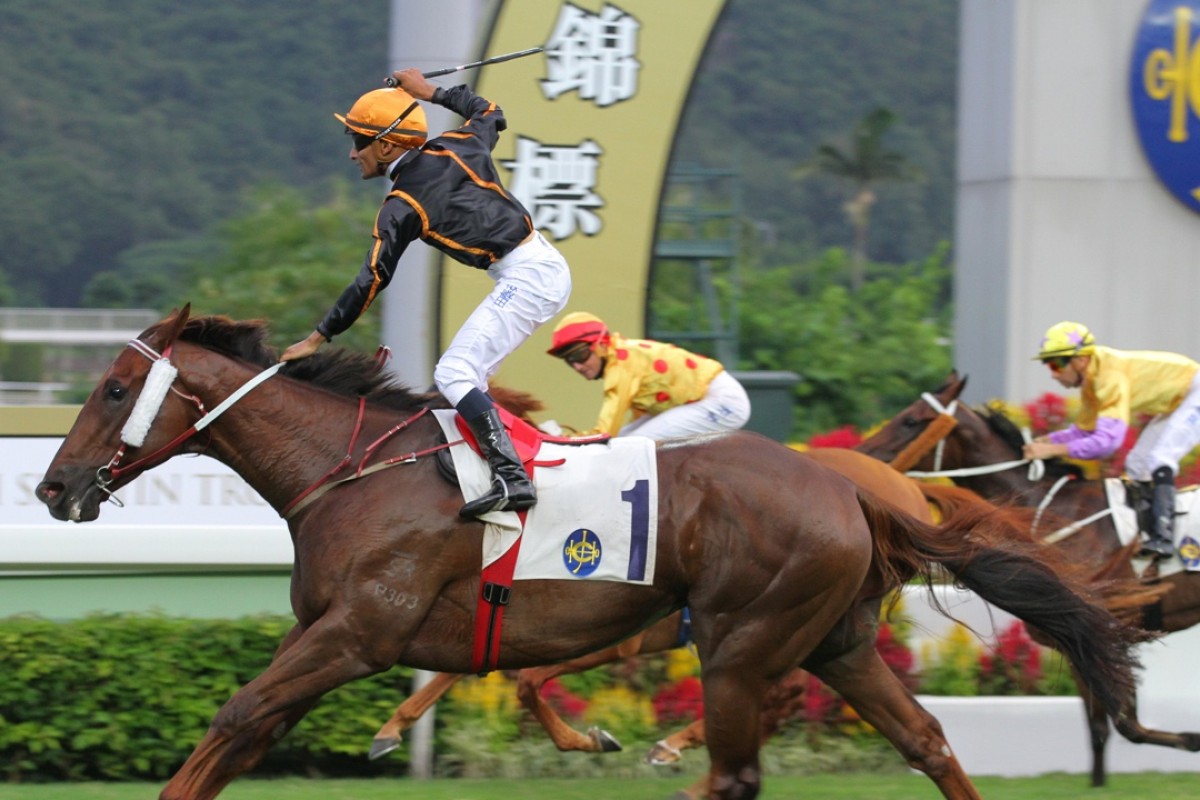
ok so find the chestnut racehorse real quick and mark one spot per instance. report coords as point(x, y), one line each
point(780, 703)
point(780, 560)
point(981, 439)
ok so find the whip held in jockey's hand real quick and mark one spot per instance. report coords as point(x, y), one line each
point(391, 80)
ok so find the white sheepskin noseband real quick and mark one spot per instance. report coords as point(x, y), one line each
point(158, 383)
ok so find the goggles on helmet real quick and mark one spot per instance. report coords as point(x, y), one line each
point(577, 354)
point(1057, 363)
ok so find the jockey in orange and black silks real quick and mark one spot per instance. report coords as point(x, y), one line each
point(447, 193)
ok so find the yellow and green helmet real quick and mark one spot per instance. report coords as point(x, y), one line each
point(1067, 339)
point(389, 114)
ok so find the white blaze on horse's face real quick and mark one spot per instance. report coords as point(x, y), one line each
point(158, 383)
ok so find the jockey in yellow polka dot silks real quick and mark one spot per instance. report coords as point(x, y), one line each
point(670, 392)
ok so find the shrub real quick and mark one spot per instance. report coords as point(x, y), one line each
point(127, 697)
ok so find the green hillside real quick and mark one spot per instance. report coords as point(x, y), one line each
point(129, 130)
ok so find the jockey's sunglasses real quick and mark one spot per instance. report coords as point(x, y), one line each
point(361, 140)
point(578, 354)
point(1057, 363)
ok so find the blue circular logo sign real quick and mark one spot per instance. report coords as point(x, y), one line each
point(1164, 90)
point(581, 553)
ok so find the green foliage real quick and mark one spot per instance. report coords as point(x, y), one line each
point(859, 355)
point(126, 125)
point(287, 261)
point(119, 698)
point(133, 123)
point(788, 77)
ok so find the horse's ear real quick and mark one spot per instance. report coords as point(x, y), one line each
point(957, 385)
point(172, 326)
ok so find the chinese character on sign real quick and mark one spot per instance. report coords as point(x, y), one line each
point(593, 54)
point(555, 183)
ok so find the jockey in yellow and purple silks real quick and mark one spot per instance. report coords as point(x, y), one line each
point(1114, 385)
point(670, 391)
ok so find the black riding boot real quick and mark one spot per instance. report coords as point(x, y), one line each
point(1161, 536)
point(1140, 493)
point(511, 488)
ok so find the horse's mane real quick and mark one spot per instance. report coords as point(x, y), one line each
point(1008, 432)
point(335, 369)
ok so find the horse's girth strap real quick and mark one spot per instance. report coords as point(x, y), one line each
point(938, 430)
point(495, 589)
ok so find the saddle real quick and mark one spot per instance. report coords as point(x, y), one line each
point(1123, 497)
point(526, 438)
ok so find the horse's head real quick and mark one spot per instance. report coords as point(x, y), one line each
point(85, 469)
point(917, 430)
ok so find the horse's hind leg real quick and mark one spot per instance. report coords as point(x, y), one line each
point(732, 700)
point(1098, 731)
point(1128, 726)
point(408, 712)
point(865, 682)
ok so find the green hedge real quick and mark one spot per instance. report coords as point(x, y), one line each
point(129, 697)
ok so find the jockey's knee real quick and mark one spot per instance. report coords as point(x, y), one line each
point(454, 381)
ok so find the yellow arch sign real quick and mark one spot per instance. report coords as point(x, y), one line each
point(592, 120)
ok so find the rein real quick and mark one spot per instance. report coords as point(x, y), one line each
point(326, 482)
point(161, 380)
point(913, 453)
point(109, 474)
point(1037, 469)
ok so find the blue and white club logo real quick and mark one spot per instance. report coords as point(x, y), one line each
point(1164, 93)
point(581, 553)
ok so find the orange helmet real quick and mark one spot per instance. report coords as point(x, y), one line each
point(576, 328)
point(389, 114)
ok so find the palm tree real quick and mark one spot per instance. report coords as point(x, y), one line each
point(865, 163)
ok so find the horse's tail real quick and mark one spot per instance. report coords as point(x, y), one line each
point(1125, 597)
point(988, 549)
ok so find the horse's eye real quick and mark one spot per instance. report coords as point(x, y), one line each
point(115, 391)
point(909, 422)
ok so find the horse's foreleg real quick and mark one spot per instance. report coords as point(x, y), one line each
point(866, 683)
point(408, 712)
point(309, 663)
point(566, 738)
point(670, 749)
point(781, 702)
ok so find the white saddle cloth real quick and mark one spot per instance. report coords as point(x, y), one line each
point(1187, 524)
point(596, 517)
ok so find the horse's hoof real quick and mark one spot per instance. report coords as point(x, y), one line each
point(1191, 742)
point(381, 747)
point(662, 754)
point(604, 740)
